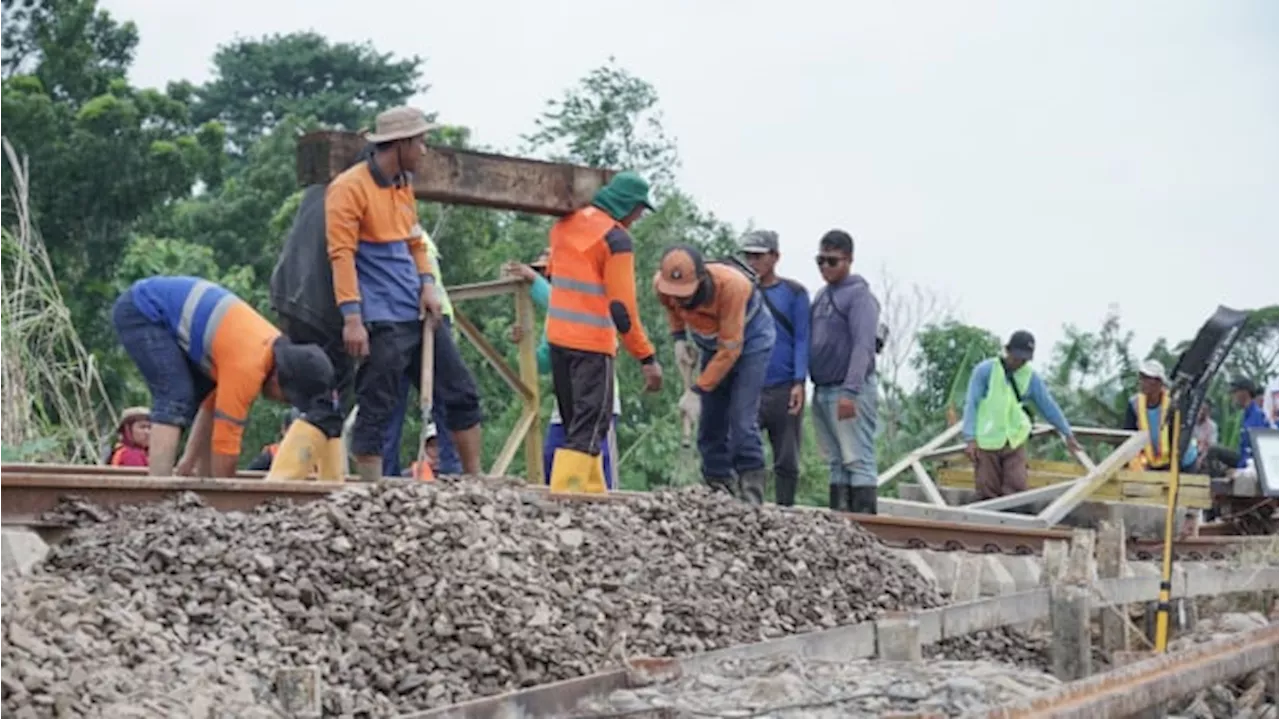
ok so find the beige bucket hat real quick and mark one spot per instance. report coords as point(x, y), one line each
point(399, 123)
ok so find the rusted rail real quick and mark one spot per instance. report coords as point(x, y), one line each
point(1151, 682)
point(28, 491)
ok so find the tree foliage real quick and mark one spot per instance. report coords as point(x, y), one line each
point(129, 182)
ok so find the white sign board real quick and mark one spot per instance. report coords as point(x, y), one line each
point(1266, 459)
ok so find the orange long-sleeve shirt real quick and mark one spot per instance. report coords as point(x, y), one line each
point(375, 244)
point(593, 287)
point(720, 322)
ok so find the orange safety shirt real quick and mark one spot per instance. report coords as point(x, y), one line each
point(376, 245)
point(719, 323)
point(223, 336)
point(593, 287)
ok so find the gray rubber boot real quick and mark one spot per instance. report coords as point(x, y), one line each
point(728, 485)
point(753, 486)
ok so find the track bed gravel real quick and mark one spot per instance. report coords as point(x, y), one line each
point(410, 596)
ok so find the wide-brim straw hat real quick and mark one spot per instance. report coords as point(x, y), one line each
point(399, 123)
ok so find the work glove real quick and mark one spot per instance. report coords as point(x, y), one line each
point(686, 360)
point(690, 404)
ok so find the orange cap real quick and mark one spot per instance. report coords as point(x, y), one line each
point(678, 274)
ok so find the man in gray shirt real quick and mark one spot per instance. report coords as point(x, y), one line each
point(842, 365)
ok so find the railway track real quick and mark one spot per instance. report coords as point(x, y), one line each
point(29, 491)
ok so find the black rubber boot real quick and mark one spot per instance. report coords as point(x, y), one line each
point(863, 500)
point(838, 499)
point(753, 486)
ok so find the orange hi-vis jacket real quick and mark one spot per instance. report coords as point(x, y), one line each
point(720, 325)
point(593, 287)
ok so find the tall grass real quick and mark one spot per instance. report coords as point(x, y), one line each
point(55, 407)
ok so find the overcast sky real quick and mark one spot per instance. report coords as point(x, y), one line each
point(1035, 161)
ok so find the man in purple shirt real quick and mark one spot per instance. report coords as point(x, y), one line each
point(842, 365)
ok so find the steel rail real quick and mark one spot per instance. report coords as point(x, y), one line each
point(1150, 682)
point(26, 496)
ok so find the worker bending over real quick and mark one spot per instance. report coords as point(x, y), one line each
point(997, 422)
point(1148, 411)
point(197, 345)
point(385, 290)
point(719, 306)
point(593, 301)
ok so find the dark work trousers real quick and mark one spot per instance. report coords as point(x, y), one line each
point(1000, 472)
point(728, 435)
point(784, 431)
point(583, 383)
point(299, 332)
point(395, 352)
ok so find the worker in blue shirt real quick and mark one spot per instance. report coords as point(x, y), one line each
point(782, 400)
point(1244, 393)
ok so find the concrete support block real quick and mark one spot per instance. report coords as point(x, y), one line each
point(1114, 622)
point(995, 580)
point(298, 689)
point(917, 562)
point(968, 584)
point(943, 565)
point(1069, 608)
point(1026, 571)
point(22, 549)
point(1055, 561)
point(898, 639)
point(1143, 569)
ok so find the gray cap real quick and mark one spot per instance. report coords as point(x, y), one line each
point(760, 241)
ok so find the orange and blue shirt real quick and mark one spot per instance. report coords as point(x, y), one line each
point(376, 245)
point(222, 335)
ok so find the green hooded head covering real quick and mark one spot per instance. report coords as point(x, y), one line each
point(622, 194)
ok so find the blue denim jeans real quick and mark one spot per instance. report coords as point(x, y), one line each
point(555, 440)
point(849, 444)
point(176, 384)
point(728, 433)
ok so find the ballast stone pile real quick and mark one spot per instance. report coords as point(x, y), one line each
point(411, 596)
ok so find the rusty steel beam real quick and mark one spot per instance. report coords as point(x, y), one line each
point(464, 177)
point(1151, 682)
point(24, 498)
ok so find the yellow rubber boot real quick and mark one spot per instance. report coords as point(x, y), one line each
point(571, 470)
point(332, 460)
point(595, 481)
point(300, 451)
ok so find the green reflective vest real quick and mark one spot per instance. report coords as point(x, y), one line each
point(1001, 419)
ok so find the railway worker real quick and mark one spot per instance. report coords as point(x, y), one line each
point(593, 302)
point(782, 401)
point(844, 336)
point(1148, 411)
point(540, 293)
point(385, 289)
point(206, 355)
point(997, 423)
point(133, 438)
point(717, 307)
point(1221, 461)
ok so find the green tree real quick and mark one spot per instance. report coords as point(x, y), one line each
point(259, 82)
point(609, 119)
point(948, 352)
point(102, 153)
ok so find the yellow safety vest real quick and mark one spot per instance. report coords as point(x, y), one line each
point(1154, 457)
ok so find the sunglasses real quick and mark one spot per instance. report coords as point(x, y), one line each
point(828, 260)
